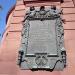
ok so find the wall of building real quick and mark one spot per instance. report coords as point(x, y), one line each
point(12, 37)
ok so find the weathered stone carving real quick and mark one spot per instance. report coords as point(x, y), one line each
point(41, 59)
point(42, 44)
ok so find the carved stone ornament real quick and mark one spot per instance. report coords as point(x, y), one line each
point(42, 43)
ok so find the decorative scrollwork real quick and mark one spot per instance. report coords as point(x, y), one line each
point(60, 33)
